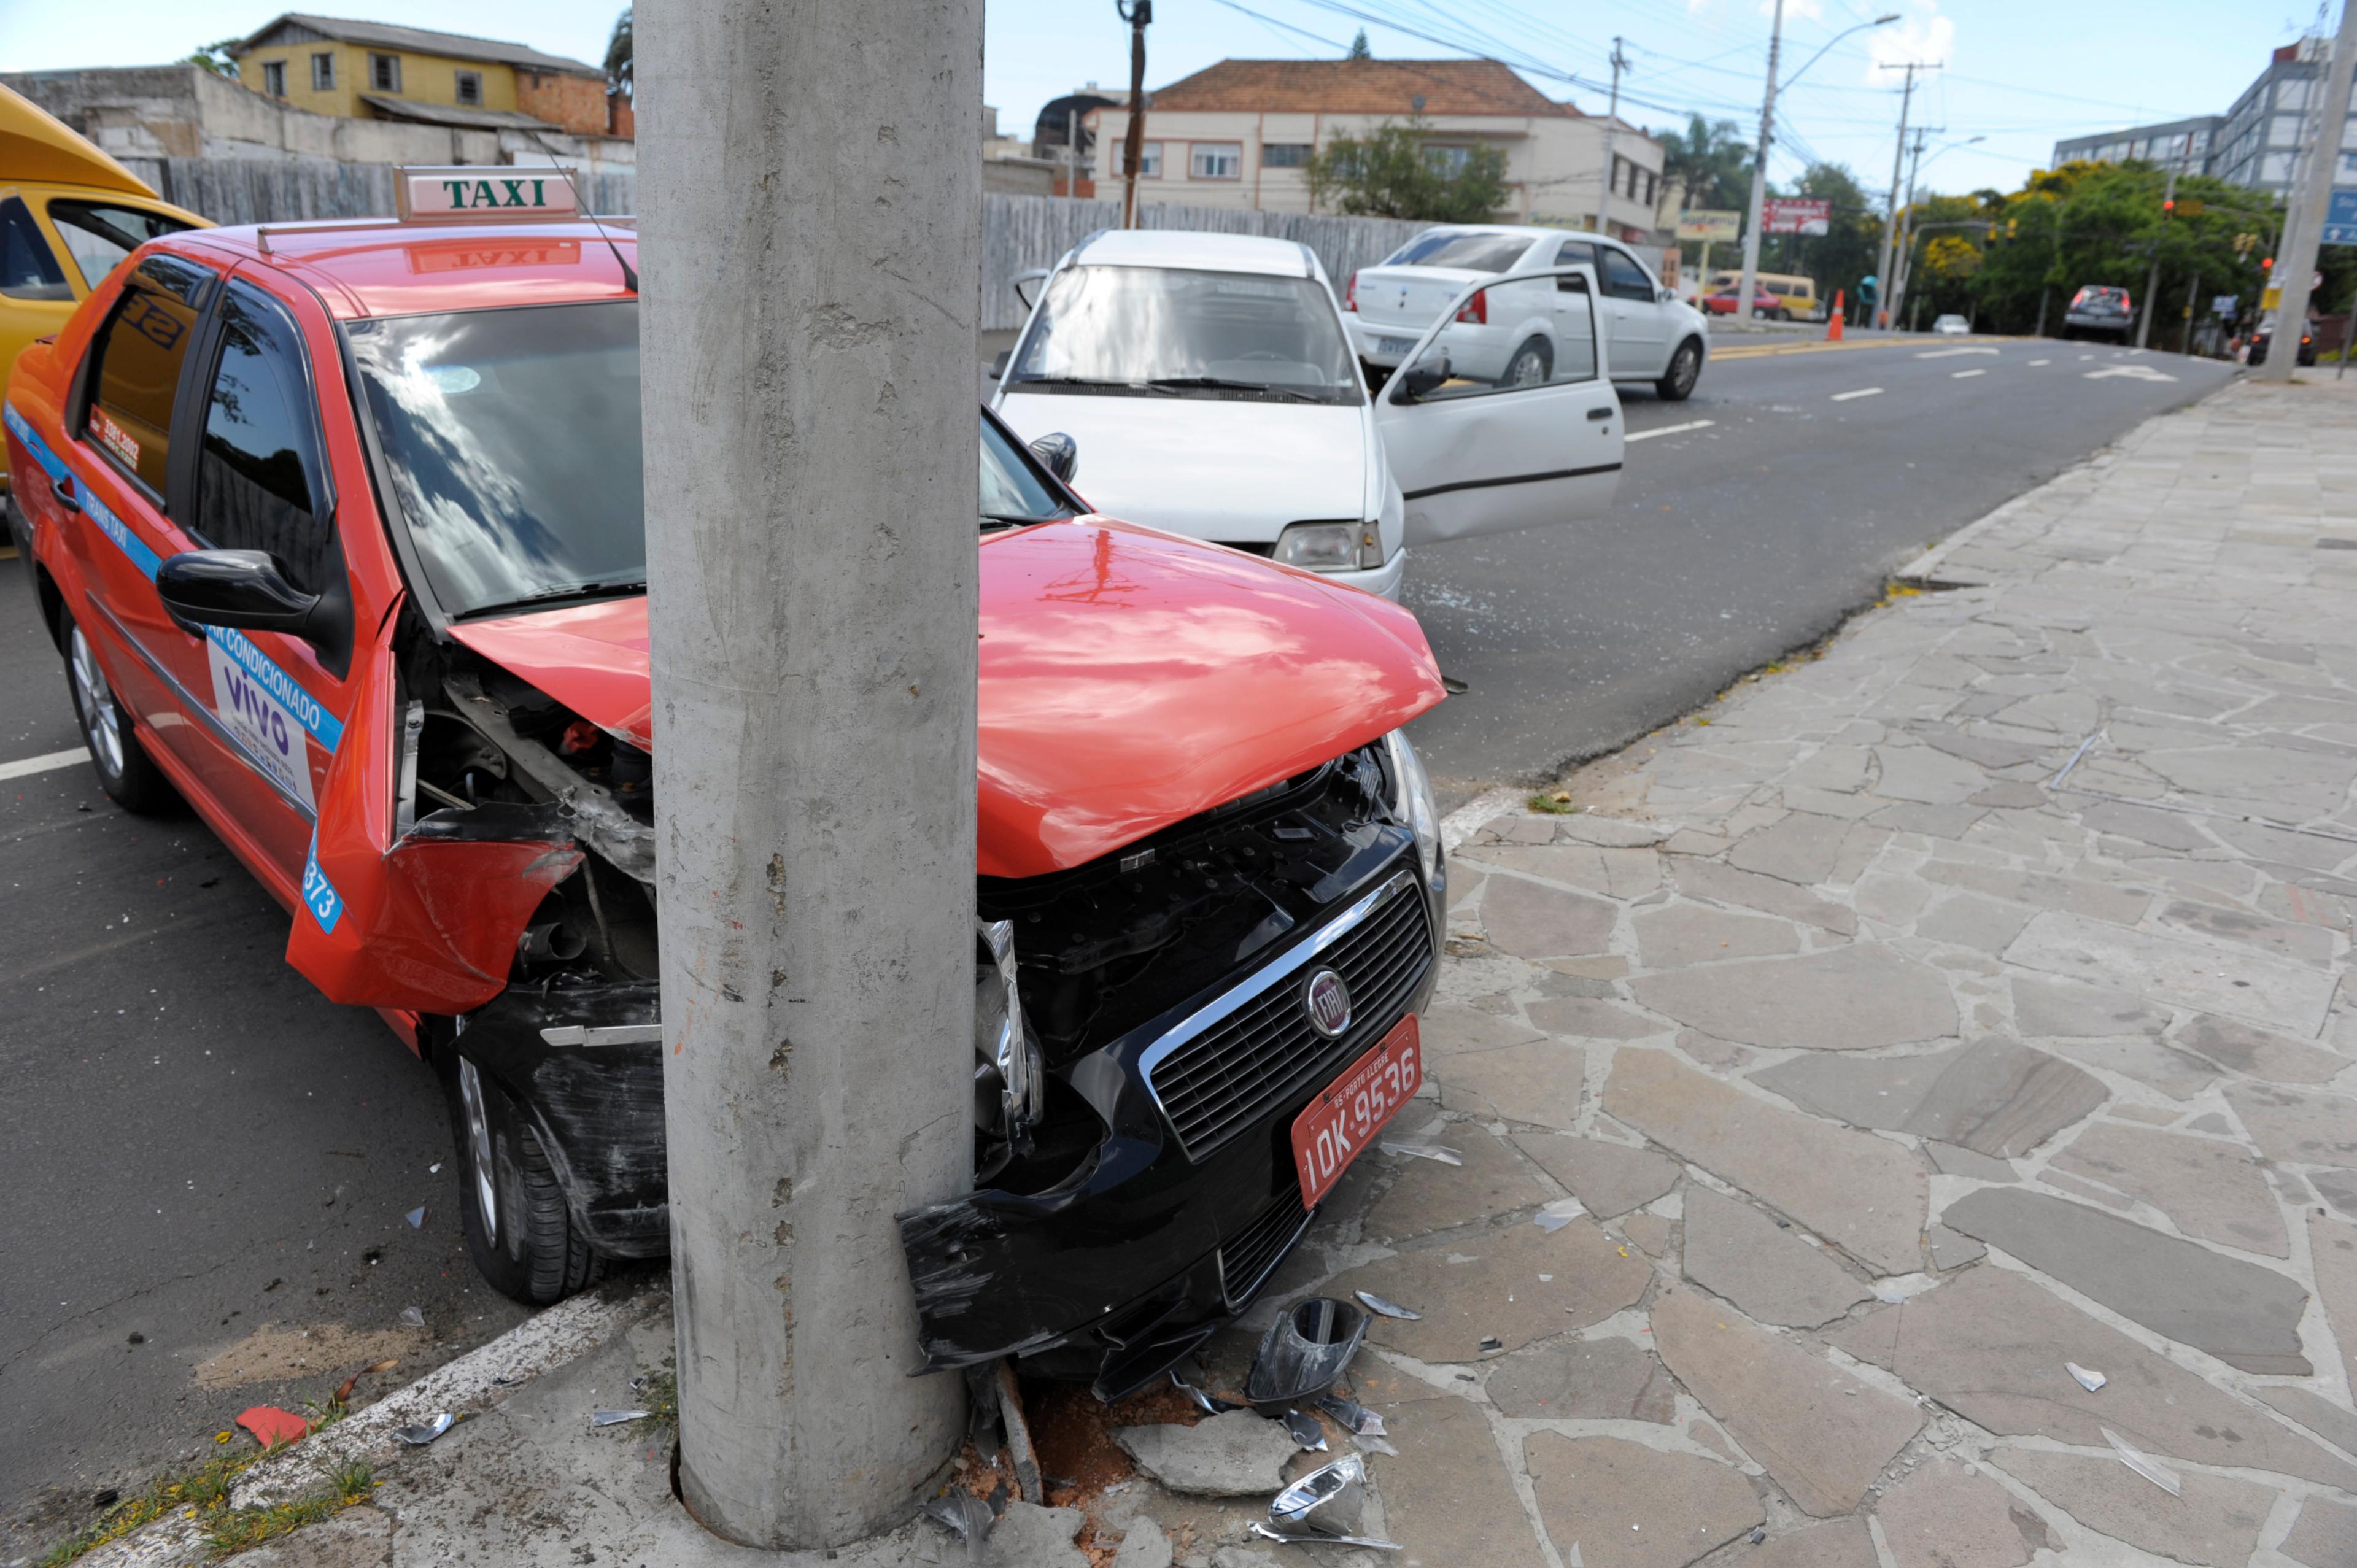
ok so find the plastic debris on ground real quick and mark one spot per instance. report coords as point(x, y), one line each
point(2089, 1379)
point(1555, 1215)
point(1307, 1433)
point(2140, 1465)
point(967, 1516)
point(1446, 1156)
point(1492, 1345)
point(273, 1427)
point(412, 1317)
point(416, 1218)
point(1210, 1404)
point(1323, 1509)
point(344, 1391)
point(1575, 1560)
point(1284, 1539)
point(419, 1436)
point(1304, 1351)
point(1378, 1305)
point(616, 1417)
point(1355, 1418)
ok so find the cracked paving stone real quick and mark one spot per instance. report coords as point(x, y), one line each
point(1971, 921)
point(1615, 873)
point(1582, 1018)
point(1530, 920)
point(2259, 1053)
point(1235, 1454)
point(2245, 1315)
point(1471, 1289)
point(2263, 990)
point(1800, 848)
point(1944, 1516)
point(1864, 1194)
point(1822, 1434)
point(1028, 1533)
point(1609, 1179)
point(1990, 1345)
point(2178, 1074)
point(1629, 1505)
point(2208, 1189)
point(2267, 781)
point(1735, 1251)
point(1584, 1380)
point(2097, 900)
point(2064, 1007)
point(1693, 933)
point(2332, 1248)
point(2338, 1188)
point(1449, 1030)
point(2306, 944)
point(1650, 1231)
point(1952, 1251)
point(2324, 1536)
point(1539, 1083)
point(2336, 1423)
point(1921, 773)
point(1931, 821)
point(1428, 1196)
point(1447, 1495)
point(2302, 1128)
point(1951, 1160)
point(1847, 998)
point(1609, 832)
point(1838, 1543)
point(2169, 830)
point(1726, 884)
point(1994, 1096)
point(2216, 1520)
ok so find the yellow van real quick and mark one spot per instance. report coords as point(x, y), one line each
point(1796, 297)
point(68, 213)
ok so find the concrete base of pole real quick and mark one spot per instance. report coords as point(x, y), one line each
point(811, 231)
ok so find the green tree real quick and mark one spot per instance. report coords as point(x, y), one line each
point(1712, 157)
point(215, 57)
point(1360, 49)
point(618, 77)
point(1846, 252)
point(1394, 173)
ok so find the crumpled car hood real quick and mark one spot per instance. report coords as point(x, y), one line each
point(1129, 680)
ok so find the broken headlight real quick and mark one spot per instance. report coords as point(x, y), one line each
point(1010, 1083)
point(1412, 800)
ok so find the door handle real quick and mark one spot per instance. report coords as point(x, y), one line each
point(1599, 414)
point(64, 492)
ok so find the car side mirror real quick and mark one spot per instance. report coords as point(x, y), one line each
point(1060, 454)
point(1667, 295)
point(1028, 294)
point(1419, 381)
point(241, 589)
point(999, 364)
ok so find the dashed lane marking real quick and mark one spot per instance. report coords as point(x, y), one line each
point(1862, 392)
point(1960, 375)
point(2035, 363)
point(1670, 429)
point(1951, 353)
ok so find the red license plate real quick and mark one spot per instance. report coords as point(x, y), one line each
point(1345, 1117)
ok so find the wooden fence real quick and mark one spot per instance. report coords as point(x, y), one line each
point(1019, 233)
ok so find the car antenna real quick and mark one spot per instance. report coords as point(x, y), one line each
point(630, 274)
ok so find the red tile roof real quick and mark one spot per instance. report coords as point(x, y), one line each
point(1360, 87)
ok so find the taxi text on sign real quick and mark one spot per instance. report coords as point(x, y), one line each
point(429, 195)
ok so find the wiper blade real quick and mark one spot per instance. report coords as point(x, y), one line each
point(1064, 381)
point(572, 591)
point(1223, 384)
point(1010, 519)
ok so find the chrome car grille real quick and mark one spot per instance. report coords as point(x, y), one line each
point(1255, 1045)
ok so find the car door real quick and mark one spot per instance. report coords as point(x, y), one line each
point(1474, 456)
point(96, 229)
point(1638, 330)
point(35, 297)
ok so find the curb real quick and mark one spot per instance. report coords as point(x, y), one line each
point(472, 1384)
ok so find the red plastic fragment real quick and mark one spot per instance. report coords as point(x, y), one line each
point(273, 1427)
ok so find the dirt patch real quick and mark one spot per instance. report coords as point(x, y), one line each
point(277, 1353)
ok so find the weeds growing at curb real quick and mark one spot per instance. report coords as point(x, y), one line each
point(240, 1530)
point(204, 1490)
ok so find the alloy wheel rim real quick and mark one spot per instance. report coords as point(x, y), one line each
point(101, 725)
point(1685, 368)
point(1526, 371)
point(479, 1149)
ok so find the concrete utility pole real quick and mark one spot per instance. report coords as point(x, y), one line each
point(811, 559)
point(1882, 309)
point(1612, 124)
point(1138, 14)
point(2296, 263)
point(2152, 279)
point(1750, 282)
point(1903, 259)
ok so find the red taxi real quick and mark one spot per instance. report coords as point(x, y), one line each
point(338, 529)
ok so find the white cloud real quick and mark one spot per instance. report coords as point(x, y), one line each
point(1922, 33)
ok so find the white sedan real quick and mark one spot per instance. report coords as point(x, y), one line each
point(1952, 326)
point(1205, 384)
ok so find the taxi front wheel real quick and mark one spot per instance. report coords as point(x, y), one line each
point(124, 771)
point(518, 1230)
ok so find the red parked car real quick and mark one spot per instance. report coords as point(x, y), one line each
point(1764, 304)
point(337, 530)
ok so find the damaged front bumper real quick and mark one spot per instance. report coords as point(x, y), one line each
point(1177, 1217)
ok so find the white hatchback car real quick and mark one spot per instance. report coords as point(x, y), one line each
point(1205, 384)
point(1952, 326)
point(1649, 333)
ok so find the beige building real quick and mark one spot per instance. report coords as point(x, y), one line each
point(1241, 133)
point(372, 70)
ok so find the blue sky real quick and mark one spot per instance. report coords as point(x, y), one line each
point(2020, 72)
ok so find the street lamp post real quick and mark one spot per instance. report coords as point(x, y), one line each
point(1767, 136)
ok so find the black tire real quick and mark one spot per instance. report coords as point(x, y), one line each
point(1677, 382)
point(130, 778)
point(1533, 365)
point(1783, 315)
point(518, 1228)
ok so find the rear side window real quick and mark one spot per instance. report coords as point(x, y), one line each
point(1474, 252)
point(100, 234)
point(138, 356)
point(27, 269)
point(260, 478)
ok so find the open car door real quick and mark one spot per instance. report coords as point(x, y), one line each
point(1486, 435)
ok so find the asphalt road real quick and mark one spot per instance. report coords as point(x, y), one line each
point(1753, 535)
point(200, 1154)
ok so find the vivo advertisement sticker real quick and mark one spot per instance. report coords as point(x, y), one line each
point(270, 731)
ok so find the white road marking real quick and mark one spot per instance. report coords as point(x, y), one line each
point(1669, 429)
point(2034, 363)
point(44, 764)
point(1862, 392)
point(2134, 373)
point(2086, 356)
point(1960, 375)
point(1951, 353)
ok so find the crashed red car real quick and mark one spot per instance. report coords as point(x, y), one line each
point(337, 530)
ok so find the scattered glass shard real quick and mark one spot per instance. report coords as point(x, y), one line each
point(1382, 1308)
point(616, 1417)
point(419, 1436)
point(1354, 1417)
point(416, 1218)
point(412, 1318)
point(1370, 1543)
point(967, 1516)
point(2089, 1379)
point(1446, 1156)
point(2140, 1465)
point(1558, 1214)
point(1305, 1431)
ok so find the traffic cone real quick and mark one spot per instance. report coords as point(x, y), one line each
point(1834, 321)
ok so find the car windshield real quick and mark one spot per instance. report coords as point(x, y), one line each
point(1168, 331)
point(512, 439)
point(1473, 252)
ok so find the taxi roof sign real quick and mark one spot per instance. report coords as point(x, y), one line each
point(465, 194)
